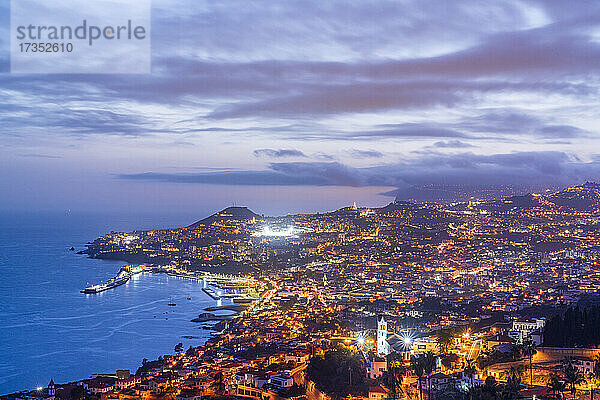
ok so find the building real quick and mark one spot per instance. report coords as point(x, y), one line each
point(383, 347)
point(376, 367)
point(281, 381)
point(378, 393)
point(527, 329)
point(585, 365)
point(425, 344)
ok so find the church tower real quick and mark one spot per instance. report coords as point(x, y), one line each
point(51, 389)
point(383, 347)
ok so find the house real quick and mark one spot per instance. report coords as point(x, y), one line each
point(585, 365)
point(248, 391)
point(127, 382)
point(440, 381)
point(423, 345)
point(378, 393)
point(281, 381)
point(502, 343)
point(158, 384)
point(376, 367)
point(298, 358)
point(189, 394)
point(202, 382)
point(97, 387)
point(99, 384)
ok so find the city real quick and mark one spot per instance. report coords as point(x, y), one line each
point(300, 200)
point(483, 299)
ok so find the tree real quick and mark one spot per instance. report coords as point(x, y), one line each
point(595, 376)
point(577, 327)
point(556, 385)
point(445, 339)
point(513, 381)
point(393, 377)
point(429, 366)
point(417, 366)
point(487, 391)
point(190, 351)
point(331, 373)
point(528, 350)
point(218, 383)
point(572, 375)
point(449, 359)
point(77, 393)
point(178, 348)
point(470, 370)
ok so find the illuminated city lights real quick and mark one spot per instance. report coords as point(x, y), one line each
point(268, 231)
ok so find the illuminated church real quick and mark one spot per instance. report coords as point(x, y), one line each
point(388, 343)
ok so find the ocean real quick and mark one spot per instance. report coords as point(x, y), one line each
point(49, 330)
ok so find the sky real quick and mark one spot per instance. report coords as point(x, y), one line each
point(301, 106)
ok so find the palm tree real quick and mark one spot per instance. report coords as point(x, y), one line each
point(572, 375)
point(528, 349)
point(219, 383)
point(470, 370)
point(445, 338)
point(513, 380)
point(556, 385)
point(393, 378)
point(178, 348)
point(429, 366)
point(417, 366)
point(595, 376)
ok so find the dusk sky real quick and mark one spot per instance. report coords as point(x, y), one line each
point(308, 106)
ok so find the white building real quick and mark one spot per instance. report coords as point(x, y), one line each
point(377, 366)
point(527, 328)
point(383, 347)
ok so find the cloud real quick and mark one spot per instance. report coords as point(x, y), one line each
point(499, 76)
point(562, 131)
point(323, 156)
point(278, 174)
point(281, 153)
point(34, 155)
point(30, 119)
point(451, 144)
point(516, 122)
point(366, 154)
point(412, 130)
point(544, 167)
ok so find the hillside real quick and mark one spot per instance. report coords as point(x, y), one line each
point(584, 197)
point(228, 214)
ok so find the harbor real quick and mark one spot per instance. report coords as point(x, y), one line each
point(241, 290)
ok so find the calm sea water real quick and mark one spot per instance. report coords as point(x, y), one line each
point(50, 330)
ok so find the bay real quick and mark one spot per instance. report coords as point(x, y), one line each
point(50, 330)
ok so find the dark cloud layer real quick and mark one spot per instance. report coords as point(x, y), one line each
point(463, 168)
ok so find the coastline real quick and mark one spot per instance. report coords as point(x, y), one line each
point(56, 332)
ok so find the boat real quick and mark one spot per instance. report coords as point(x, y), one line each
point(121, 279)
point(172, 304)
point(112, 283)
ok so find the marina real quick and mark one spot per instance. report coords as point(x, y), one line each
point(241, 290)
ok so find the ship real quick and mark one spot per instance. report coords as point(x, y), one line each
point(122, 278)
